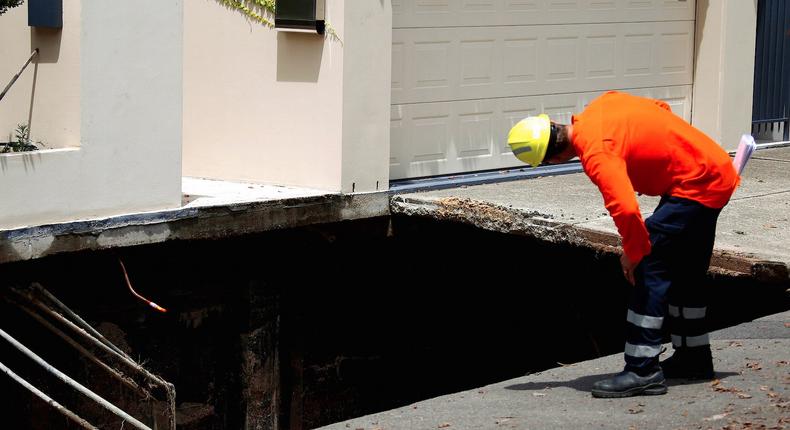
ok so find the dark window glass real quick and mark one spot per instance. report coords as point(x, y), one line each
point(296, 9)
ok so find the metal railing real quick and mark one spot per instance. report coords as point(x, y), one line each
point(64, 323)
point(24, 66)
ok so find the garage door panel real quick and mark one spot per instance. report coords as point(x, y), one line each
point(465, 71)
point(398, 153)
point(450, 64)
point(522, 64)
point(600, 54)
point(452, 137)
point(456, 13)
point(479, 132)
point(431, 131)
point(675, 53)
point(397, 66)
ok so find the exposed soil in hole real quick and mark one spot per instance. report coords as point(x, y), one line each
point(301, 328)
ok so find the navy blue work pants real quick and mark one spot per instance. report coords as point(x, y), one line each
point(671, 282)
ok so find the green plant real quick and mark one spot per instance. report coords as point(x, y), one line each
point(21, 141)
point(262, 11)
point(259, 11)
point(8, 4)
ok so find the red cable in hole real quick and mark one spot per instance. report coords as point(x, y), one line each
point(129, 284)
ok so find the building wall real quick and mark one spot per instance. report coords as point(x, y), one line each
point(724, 69)
point(366, 96)
point(284, 108)
point(261, 105)
point(119, 88)
point(116, 107)
point(47, 94)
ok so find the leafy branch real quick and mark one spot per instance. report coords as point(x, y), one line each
point(261, 11)
point(8, 4)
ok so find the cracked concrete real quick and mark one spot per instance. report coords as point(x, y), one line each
point(753, 236)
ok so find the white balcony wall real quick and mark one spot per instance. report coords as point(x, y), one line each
point(107, 93)
point(282, 108)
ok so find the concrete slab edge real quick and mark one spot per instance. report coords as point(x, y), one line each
point(214, 222)
point(541, 226)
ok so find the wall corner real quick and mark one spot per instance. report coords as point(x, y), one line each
point(724, 69)
point(367, 75)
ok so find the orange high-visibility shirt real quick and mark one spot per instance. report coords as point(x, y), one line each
point(628, 143)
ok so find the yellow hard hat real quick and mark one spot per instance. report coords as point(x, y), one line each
point(529, 139)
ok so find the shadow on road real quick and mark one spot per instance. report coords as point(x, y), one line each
point(586, 382)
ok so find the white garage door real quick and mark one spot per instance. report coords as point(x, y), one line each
point(465, 71)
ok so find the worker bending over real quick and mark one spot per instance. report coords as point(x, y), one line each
point(630, 144)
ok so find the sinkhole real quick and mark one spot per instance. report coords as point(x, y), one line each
point(304, 327)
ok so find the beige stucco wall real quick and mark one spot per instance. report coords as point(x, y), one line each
point(285, 108)
point(122, 115)
point(724, 69)
point(261, 105)
point(366, 96)
point(47, 94)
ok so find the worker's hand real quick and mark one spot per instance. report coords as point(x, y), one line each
point(628, 269)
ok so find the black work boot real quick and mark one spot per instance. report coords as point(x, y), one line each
point(627, 384)
point(689, 363)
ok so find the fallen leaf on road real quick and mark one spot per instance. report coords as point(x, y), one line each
point(781, 363)
point(539, 394)
point(716, 417)
point(754, 366)
point(772, 394)
point(736, 344)
point(743, 395)
point(635, 410)
point(444, 425)
point(722, 389)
